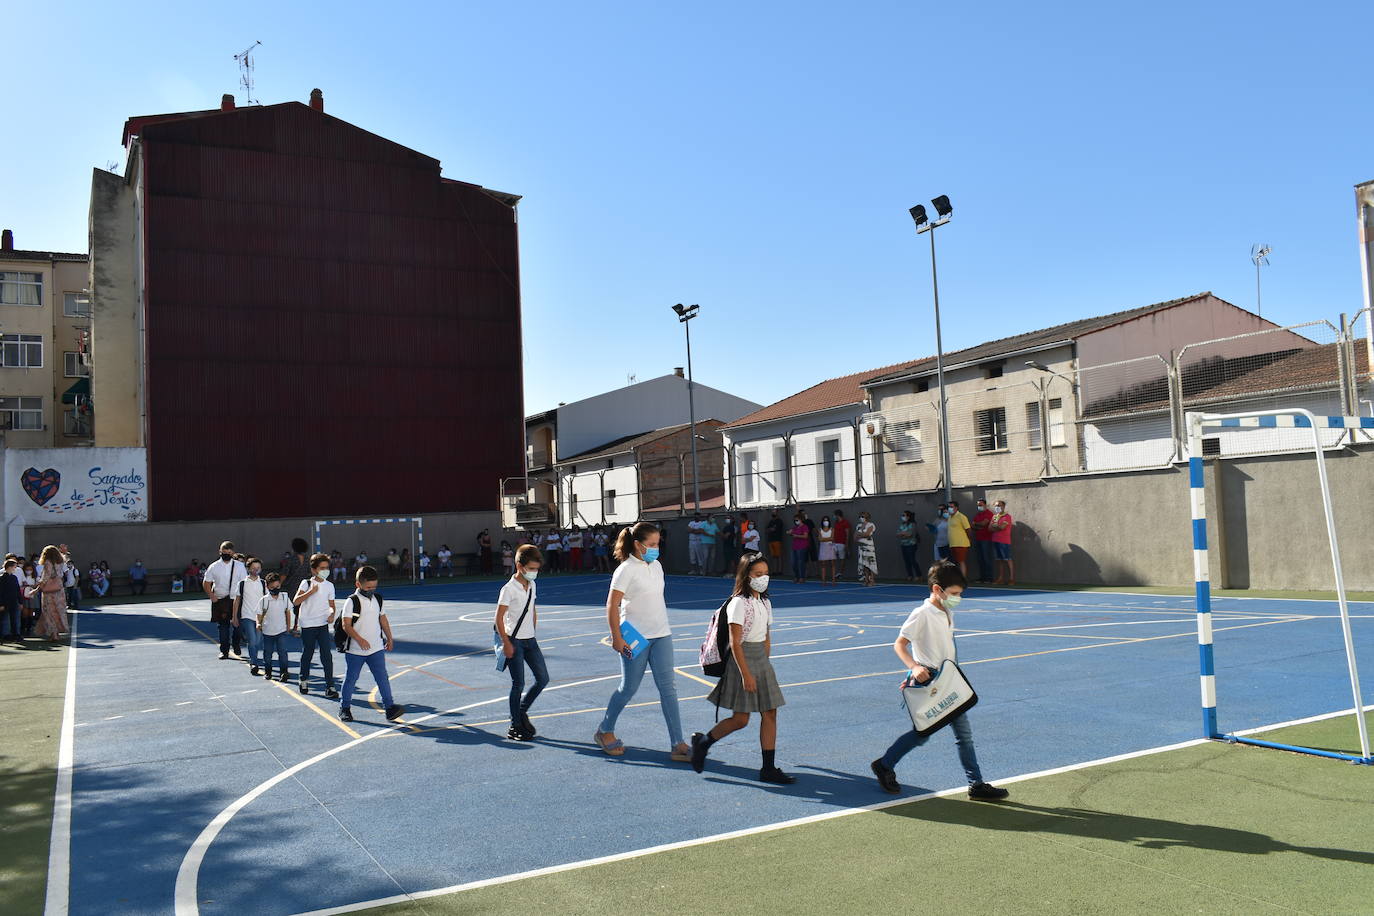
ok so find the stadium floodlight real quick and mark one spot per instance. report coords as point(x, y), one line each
point(918, 216)
point(685, 313)
point(1259, 253)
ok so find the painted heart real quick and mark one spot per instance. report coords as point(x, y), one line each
point(41, 485)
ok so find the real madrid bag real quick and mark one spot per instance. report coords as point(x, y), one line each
point(936, 702)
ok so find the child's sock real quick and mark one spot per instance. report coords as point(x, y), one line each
point(768, 763)
point(708, 740)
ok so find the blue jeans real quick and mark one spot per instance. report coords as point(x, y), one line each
point(353, 666)
point(658, 656)
point(963, 737)
point(527, 652)
point(248, 627)
point(274, 645)
point(799, 558)
point(311, 637)
point(74, 597)
point(101, 588)
point(909, 560)
point(986, 568)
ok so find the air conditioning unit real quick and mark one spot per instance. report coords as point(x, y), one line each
point(873, 426)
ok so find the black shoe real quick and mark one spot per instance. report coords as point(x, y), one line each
point(886, 778)
point(285, 678)
point(223, 656)
point(516, 733)
point(984, 792)
point(527, 725)
point(699, 750)
point(254, 672)
point(394, 711)
point(776, 776)
point(305, 686)
point(331, 694)
point(346, 714)
point(267, 675)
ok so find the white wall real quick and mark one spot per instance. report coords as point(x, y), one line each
point(586, 485)
point(46, 486)
point(769, 476)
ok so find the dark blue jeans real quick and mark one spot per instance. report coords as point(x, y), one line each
point(10, 622)
point(274, 645)
point(799, 563)
point(527, 652)
point(963, 737)
point(909, 560)
point(987, 568)
point(321, 637)
point(353, 666)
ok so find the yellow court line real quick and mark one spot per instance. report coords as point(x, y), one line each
point(699, 680)
point(333, 720)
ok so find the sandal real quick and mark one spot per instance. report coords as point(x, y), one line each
point(682, 753)
point(613, 748)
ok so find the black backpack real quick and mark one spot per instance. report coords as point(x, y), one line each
point(341, 639)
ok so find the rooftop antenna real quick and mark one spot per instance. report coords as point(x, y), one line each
point(245, 59)
point(1259, 253)
point(630, 378)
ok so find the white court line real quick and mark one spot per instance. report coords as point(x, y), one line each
point(60, 843)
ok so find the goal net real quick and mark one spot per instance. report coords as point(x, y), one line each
point(376, 538)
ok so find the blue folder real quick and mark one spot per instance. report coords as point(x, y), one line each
point(633, 637)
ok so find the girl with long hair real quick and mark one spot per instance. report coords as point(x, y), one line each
point(52, 617)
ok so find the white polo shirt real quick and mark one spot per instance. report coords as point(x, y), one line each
point(253, 592)
point(643, 605)
point(754, 614)
point(274, 611)
point(314, 611)
point(513, 597)
point(224, 578)
point(931, 635)
point(368, 625)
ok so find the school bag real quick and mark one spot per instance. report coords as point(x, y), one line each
point(499, 647)
point(341, 638)
point(937, 702)
point(715, 650)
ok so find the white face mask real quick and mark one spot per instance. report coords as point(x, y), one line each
point(1000, 509)
point(759, 584)
point(530, 574)
point(323, 573)
point(952, 601)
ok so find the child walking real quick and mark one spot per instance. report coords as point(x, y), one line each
point(274, 613)
point(637, 597)
point(926, 640)
point(749, 684)
point(251, 592)
point(369, 639)
point(517, 618)
point(314, 615)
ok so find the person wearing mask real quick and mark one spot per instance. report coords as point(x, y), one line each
point(694, 553)
point(1001, 526)
point(446, 560)
point(776, 533)
point(801, 544)
point(843, 533)
point(636, 598)
point(825, 537)
point(99, 584)
point(709, 532)
point(274, 622)
point(296, 569)
point(909, 541)
point(315, 610)
point(553, 551)
point(369, 640)
point(603, 551)
point(34, 605)
point(393, 563)
point(220, 583)
point(729, 545)
point(574, 545)
point(868, 554)
point(982, 541)
point(940, 528)
point(11, 600)
point(138, 578)
point(959, 540)
point(517, 620)
point(813, 543)
point(752, 538)
point(247, 604)
point(71, 578)
point(484, 551)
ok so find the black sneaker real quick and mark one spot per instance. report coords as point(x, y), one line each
point(331, 694)
point(254, 672)
point(776, 776)
point(285, 677)
point(305, 686)
point(394, 711)
point(527, 725)
point(223, 656)
point(516, 733)
point(699, 751)
point(346, 714)
point(267, 674)
point(984, 792)
point(887, 778)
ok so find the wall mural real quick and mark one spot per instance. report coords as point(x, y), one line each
point(76, 484)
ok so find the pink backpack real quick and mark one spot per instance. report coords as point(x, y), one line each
point(715, 650)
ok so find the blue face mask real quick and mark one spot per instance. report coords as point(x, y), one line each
point(650, 554)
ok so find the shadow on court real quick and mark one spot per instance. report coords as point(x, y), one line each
point(1134, 830)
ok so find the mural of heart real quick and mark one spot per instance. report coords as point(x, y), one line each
point(41, 485)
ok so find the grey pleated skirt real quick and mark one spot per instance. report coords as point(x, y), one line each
point(730, 693)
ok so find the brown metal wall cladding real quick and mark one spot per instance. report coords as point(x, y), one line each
point(332, 329)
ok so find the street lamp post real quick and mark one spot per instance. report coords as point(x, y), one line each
point(918, 215)
point(685, 313)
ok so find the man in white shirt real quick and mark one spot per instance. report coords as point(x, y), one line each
point(445, 560)
point(221, 584)
point(314, 615)
point(695, 557)
point(369, 639)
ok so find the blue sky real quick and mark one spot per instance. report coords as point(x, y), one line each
point(759, 158)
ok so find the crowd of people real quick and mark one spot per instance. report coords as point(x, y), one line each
point(36, 593)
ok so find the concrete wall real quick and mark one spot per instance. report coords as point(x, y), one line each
point(117, 340)
point(171, 545)
point(1134, 528)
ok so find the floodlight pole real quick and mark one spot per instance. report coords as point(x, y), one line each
point(685, 318)
point(940, 358)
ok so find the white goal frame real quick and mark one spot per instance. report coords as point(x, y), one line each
point(417, 536)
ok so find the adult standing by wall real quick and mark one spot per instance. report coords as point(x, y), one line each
point(52, 617)
point(775, 531)
point(940, 529)
point(729, 545)
point(826, 535)
point(959, 540)
point(296, 568)
point(868, 553)
point(843, 532)
point(908, 540)
point(709, 532)
point(982, 540)
point(694, 552)
point(484, 551)
point(221, 584)
point(801, 543)
point(1001, 526)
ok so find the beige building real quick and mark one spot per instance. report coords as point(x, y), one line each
point(45, 330)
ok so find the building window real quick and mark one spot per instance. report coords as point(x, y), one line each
point(73, 366)
point(18, 288)
point(1033, 424)
point(922, 385)
point(993, 371)
point(21, 413)
point(609, 503)
point(1057, 435)
point(21, 351)
point(780, 471)
point(830, 466)
point(76, 305)
point(745, 491)
point(610, 463)
point(76, 424)
point(992, 429)
point(904, 438)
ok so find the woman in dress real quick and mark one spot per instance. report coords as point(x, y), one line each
point(52, 618)
point(868, 556)
point(825, 538)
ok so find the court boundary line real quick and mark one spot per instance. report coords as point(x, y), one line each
point(783, 825)
point(57, 893)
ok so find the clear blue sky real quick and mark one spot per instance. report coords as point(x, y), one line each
point(759, 158)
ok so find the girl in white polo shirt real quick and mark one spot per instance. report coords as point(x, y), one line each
point(637, 597)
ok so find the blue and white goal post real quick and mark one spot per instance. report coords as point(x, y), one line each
point(377, 555)
point(1295, 419)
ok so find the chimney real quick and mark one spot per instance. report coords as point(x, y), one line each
point(677, 370)
point(7, 240)
point(317, 100)
point(226, 102)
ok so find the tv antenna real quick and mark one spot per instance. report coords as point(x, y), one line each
point(1259, 253)
point(630, 378)
point(245, 59)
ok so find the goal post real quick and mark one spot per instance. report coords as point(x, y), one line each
point(417, 536)
point(1296, 419)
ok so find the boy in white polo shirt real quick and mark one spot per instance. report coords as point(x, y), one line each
point(314, 603)
point(274, 622)
point(369, 639)
point(925, 642)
